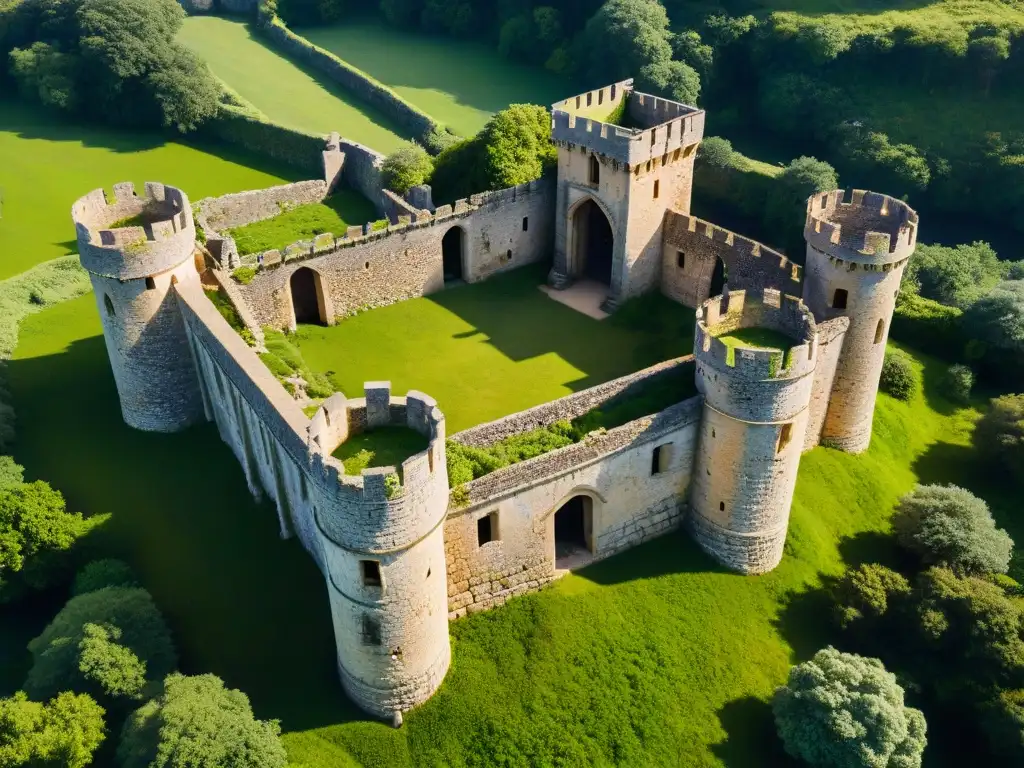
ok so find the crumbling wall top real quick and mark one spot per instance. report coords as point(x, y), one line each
point(861, 226)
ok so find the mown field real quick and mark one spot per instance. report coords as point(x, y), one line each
point(655, 657)
point(283, 90)
point(459, 83)
point(45, 165)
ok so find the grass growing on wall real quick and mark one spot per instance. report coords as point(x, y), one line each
point(282, 89)
point(383, 447)
point(655, 657)
point(47, 164)
point(343, 209)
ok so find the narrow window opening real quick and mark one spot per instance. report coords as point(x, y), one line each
point(508, 255)
point(657, 188)
point(721, 506)
point(654, 137)
point(680, 259)
point(600, 97)
point(487, 529)
point(108, 305)
point(713, 433)
point(595, 170)
point(785, 436)
point(590, 99)
point(839, 299)
point(150, 284)
point(371, 630)
point(371, 573)
point(366, 265)
point(526, 223)
point(669, 131)
point(429, 571)
point(577, 102)
point(660, 459)
point(880, 332)
point(675, 155)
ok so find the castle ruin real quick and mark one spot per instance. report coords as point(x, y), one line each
point(401, 554)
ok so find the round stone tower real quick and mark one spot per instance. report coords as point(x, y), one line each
point(383, 540)
point(134, 249)
point(757, 396)
point(857, 249)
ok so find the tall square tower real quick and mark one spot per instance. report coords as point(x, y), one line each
point(624, 159)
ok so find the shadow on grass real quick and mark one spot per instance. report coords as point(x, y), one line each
point(752, 741)
point(673, 553)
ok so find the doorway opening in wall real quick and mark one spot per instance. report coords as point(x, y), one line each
point(307, 296)
point(719, 278)
point(594, 243)
point(574, 532)
point(452, 246)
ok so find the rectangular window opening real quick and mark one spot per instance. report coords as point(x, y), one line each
point(371, 630)
point(371, 573)
point(660, 458)
point(487, 529)
point(150, 284)
point(839, 298)
point(526, 223)
point(785, 437)
point(657, 188)
point(680, 259)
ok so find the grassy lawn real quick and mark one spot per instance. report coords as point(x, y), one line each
point(46, 164)
point(285, 91)
point(459, 83)
point(341, 210)
point(487, 350)
point(655, 657)
point(756, 338)
point(385, 447)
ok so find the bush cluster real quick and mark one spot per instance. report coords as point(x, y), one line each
point(286, 361)
point(900, 378)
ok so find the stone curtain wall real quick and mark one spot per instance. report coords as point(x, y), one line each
point(235, 210)
point(369, 268)
point(570, 406)
point(361, 172)
point(750, 265)
point(629, 505)
point(375, 93)
point(395, 207)
point(296, 148)
point(831, 335)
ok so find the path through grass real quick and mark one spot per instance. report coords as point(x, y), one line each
point(490, 349)
point(46, 164)
point(285, 91)
point(458, 82)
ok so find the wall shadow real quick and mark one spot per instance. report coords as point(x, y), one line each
point(673, 553)
point(752, 741)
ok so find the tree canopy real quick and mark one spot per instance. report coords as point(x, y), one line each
point(956, 276)
point(199, 723)
point(64, 732)
point(1000, 433)
point(406, 167)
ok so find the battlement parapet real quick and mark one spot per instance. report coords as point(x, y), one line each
point(164, 238)
point(861, 227)
point(378, 510)
point(739, 310)
point(668, 125)
point(328, 243)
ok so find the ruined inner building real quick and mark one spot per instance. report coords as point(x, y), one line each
point(402, 555)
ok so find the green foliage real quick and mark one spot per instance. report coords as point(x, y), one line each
point(438, 140)
point(244, 275)
point(64, 732)
point(386, 446)
point(841, 710)
point(715, 152)
point(406, 167)
point(37, 537)
point(899, 376)
point(952, 527)
point(227, 310)
point(956, 276)
point(100, 574)
point(622, 38)
point(41, 286)
point(285, 360)
point(785, 208)
point(517, 146)
point(392, 486)
point(671, 79)
point(1003, 721)
point(898, 168)
point(45, 74)
point(112, 643)
point(532, 37)
point(995, 325)
point(277, 366)
point(928, 325)
point(800, 104)
point(11, 472)
point(1000, 433)
point(867, 594)
point(957, 384)
point(197, 721)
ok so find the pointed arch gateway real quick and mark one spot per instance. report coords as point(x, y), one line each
point(593, 242)
point(309, 301)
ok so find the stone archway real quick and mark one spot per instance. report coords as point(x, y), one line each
point(719, 278)
point(593, 243)
point(308, 300)
point(453, 251)
point(573, 524)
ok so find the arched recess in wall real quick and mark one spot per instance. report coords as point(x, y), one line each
point(453, 254)
point(719, 278)
point(574, 532)
point(593, 242)
point(308, 300)
point(108, 305)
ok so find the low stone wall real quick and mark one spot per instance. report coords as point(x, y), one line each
point(395, 207)
point(629, 504)
point(571, 406)
point(238, 209)
point(295, 148)
point(362, 173)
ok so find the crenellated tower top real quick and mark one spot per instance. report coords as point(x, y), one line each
point(859, 227)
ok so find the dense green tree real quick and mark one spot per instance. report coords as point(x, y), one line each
point(950, 526)
point(531, 36)
point(867, 594)
point(957, 382)
point(988, 53)
point(406, 167)
point(672, 79)
point(46, 74)
point(957, 276)
point(62, 733)
point(103, 573)
point(995, 325)
point(716, 152)
point(37, 534)
point(1003, 721)
point(402, 13)
point(199, 723)
point(840, 710)
point(11, 472)
point(898, 168)
point(786, 207)
point(1000, 434)
point(111, 643)
point(799, 104)
point(899, 376)
point(688, 47)
point(517, 145)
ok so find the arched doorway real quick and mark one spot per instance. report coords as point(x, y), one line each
point(574, 532)
point(592, 234)
point(718, 278)
point(307, 296)
point(451, 254)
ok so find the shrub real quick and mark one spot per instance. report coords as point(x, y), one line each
point(438, 140)
point(956, 276)
point(64, 732)
point(716, 152)
point(277, 366)
point(899, 376)
point(197, 721)
point(517, 145)
point(37, 536)
point(110, 643)
point(100, 574)
point(841, 710)
point(928, 325)
point(11, 472)
point(786, 205)
point(957, 382)
point(244, 275)
point(950, 526)
point(406, 167)
point(1000, 433)
point(867, 593)
point(1003, 721)
point(995, 325)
